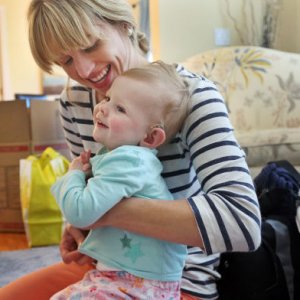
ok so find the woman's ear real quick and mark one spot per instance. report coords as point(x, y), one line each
point(154, 138)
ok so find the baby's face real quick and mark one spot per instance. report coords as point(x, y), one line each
point(125, 115)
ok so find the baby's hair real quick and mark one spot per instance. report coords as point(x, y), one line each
point(173, 101)
point(56, 25)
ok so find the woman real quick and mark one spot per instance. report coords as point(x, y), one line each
point(94, 41)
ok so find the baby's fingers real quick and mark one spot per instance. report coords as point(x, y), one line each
point(85, 156)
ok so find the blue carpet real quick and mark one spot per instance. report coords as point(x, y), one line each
point(14, 264)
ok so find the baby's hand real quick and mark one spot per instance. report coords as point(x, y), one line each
point(76, 164)
point(85, 159)
point(82, 162)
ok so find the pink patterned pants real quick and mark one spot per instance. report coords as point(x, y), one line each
point(118, 285)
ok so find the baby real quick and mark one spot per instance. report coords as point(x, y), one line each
point(143, 109)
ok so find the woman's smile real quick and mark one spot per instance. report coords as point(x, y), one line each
point(101, 76)
point(103, 80)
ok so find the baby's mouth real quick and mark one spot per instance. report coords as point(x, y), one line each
point(102, 125)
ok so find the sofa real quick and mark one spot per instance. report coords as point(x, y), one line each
point(261, 88)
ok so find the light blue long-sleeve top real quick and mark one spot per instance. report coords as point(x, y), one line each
point(124, 172)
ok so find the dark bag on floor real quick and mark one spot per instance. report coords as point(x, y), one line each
point(272, 271)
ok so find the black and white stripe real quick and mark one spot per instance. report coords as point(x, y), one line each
point(203, 163)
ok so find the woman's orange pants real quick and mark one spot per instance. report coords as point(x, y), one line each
point(42, 284)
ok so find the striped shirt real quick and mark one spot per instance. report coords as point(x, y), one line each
point(204, 164)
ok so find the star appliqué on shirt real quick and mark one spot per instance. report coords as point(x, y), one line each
point(134, 252)
point(126, 242)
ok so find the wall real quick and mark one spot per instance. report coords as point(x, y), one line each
point(25, 76)
point(289, 26)
point(187, 26)
point(5, 88)
point(180, 28)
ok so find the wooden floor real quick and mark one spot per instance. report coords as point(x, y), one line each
point(13, 241)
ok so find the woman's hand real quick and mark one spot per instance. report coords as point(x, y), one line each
point(71, 239)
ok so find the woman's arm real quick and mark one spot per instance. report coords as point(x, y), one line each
point(173, 221)
point(223, 212)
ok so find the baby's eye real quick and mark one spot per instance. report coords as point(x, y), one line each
point(106, 99)
point(121, 109)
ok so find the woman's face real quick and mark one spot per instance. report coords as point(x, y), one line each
point(99, 64)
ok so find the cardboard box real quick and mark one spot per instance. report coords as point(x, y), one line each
point(14, 145)
point(46, 128)
point(23, 132)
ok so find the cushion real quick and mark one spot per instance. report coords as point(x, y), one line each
point(261, 88)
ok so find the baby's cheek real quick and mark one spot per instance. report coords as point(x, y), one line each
point(117, 126)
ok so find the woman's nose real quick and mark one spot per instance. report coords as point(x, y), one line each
point(84, 66)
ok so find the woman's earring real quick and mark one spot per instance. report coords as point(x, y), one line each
point(129, 31)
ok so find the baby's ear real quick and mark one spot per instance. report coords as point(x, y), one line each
point(154, 138)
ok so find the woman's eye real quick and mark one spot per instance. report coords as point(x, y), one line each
point(121, 109)
point(92, 48)
point(67, 62)
point(106, 99)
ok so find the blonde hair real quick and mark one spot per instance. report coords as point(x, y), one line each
point(69, 24)
point(173, 101)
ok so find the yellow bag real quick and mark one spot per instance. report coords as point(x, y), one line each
point(42, 218)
